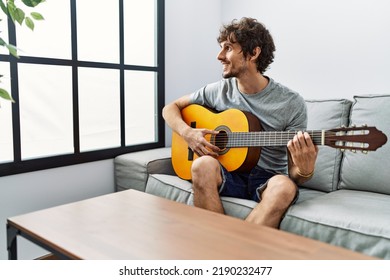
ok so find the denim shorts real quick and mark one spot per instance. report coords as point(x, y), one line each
point(245, 185)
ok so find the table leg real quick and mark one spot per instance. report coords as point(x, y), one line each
point(12, 234)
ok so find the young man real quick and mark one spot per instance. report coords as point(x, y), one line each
point(246, 52)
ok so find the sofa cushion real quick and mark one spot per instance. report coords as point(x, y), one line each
point(352, 219)
point(170, 187)
point(132, 169)
point(306, 193)
point(237, 207)
point(361, 171)
point(327, 114)
point(174, 188)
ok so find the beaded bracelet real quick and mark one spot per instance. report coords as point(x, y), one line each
point(305, 175)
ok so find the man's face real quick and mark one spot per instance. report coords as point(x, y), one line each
point(232, 59)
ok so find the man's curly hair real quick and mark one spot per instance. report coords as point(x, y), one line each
point(250, 33)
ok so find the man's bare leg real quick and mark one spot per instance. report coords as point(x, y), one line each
point(206, 179)
point(275, 200)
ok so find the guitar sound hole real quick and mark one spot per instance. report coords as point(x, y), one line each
point(221, 140)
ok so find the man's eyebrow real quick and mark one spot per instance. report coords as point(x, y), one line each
point(226, 43)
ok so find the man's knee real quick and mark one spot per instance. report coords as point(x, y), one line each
point(281, 187)
point(203, 165)
point(205, 170)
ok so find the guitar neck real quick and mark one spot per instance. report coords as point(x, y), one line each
point(270, 138)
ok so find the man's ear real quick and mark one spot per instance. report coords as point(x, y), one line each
point(256, 53)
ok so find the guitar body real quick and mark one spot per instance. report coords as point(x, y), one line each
point(232, 120)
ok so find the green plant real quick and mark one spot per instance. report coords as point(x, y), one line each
point(12, 11)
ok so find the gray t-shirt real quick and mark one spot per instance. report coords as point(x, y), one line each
point(277, 107)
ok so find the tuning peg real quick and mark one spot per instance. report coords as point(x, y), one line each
point(365, 152)
point(365, 125)
point(353, 125)
point(342, 150)
point(353, 150)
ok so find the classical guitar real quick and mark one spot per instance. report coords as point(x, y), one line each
point(240, 138)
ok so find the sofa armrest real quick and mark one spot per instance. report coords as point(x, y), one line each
point(132, 170)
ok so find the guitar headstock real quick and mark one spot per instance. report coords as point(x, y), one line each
point(364, 138)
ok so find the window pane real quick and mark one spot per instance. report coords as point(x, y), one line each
point(45, 94)
point(98, 30)
point(51, 37)
point(6, 139)
point(140, 32)
point(140, 107)
point(99, 100)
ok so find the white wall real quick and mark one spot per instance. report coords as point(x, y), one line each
point(325, 48)
point(191, 47)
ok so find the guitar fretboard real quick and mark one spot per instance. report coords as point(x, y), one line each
point(268, 138)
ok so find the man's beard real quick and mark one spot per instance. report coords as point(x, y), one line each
point(234, 73)
point(229, 75)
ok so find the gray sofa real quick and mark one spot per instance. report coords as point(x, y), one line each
point(346, 203)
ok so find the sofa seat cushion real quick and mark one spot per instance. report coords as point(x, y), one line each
point(347, 218)
point(237, 207)
point(174, 188)
point(170, 187)
point(306, 193)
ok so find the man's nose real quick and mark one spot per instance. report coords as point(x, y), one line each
point(220, 55)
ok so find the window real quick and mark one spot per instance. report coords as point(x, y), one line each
point(89, 84)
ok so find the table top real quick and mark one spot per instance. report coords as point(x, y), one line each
point(135, 225)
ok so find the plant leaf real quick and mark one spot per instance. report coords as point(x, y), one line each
point(4, 94)
point(4, 7)
point(19, 15)
point(29, 22)
point(12, 50)
point(36, 16)
point(32, 3)
point(11, 9)
point(2, 42)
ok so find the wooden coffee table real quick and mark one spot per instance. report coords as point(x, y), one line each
point(136, 225)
